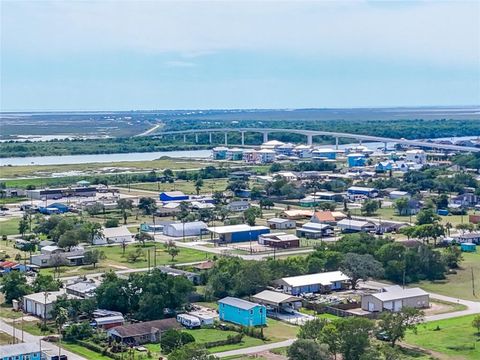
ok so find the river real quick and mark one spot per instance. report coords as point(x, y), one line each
point(148, 156)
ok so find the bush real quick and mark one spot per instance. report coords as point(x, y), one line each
point(231, 339)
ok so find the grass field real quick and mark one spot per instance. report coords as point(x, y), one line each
point(7, 312)
point(12, 200)
point(389, 213)
point(188, 187)
point(9, 227)
point(456, 338)
point(5, 338)
point(459, 285)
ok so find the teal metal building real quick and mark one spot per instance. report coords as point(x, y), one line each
point(242, 312)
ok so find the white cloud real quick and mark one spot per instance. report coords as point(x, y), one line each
point(434, 32)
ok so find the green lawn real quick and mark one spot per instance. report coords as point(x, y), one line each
point(33, 327)
point(12, 200)
point(459, 285)
point(7, 312)
point(86, 353)
point(9, 227)
point(279, 330)
point(455, 338)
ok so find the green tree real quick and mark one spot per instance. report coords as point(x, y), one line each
point(173, 251)
point(395, 324)
point(148, 205)
point(45, 282)
point(23, 226)
point(402, 206)
point(312, 329)
point(452, 256)
point(354, 336)
point(476, 323)
point(358, 267)
point(331, 337)
point(94, 256)
point(94, 209)
point(427, 216)
point(61, 319)
point(369, 207)
point(69, 239)
point(306, 349)
point(112, 222)
point(173, 339)
point(124, 205)
point(251, 215)
point(14, 286)
point(266, 204)
point(198, 185)
point(191, 351)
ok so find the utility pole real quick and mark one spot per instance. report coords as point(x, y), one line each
point(473, 284)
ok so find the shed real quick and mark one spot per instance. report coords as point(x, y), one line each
point(194, 228)
point(238, 233)
point(279, 240)
point(315, 231)
point(108, 322)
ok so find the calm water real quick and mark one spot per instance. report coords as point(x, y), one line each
point(148, 156)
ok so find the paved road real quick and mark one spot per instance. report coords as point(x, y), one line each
point(27, 337)
point(255, 349)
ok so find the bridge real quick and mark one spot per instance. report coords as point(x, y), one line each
point(309, 134)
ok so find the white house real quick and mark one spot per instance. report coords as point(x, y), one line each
point(416, 156)
point(279, 223)
point(266, 156)
point(114, 235)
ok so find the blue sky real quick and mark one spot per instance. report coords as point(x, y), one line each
point(107, 55)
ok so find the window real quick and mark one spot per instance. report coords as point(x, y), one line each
point(251, 312)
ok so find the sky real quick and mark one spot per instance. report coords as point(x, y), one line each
point(133, 55)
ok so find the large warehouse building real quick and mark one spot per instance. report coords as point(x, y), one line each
point(237, 233)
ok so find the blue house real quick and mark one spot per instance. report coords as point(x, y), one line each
point(23, 351)
point(354, 160)
point(384, 166)
point(242, 312)
point(360, 190)
point(173, 196)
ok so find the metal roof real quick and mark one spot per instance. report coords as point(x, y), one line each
point(274, 298)
point(238, 303)
point(19, 349)
point(396, 293)
point(235, 228)
point(325, 278)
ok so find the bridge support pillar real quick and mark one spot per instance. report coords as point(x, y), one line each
point(385, 146)
point(336, 143)
point(265, 137)
point(243, 138)
point(210, 138)
point(309, 139)
point(196, 138)
point(360, 141)
point(184, 138)
point(226, 139)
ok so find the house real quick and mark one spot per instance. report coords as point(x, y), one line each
point(219, 153)
point(234, 154)
point(473, 237)
point(279, 223)
point(287, 175)
point(143, 332)
point(272, 145)
point(314, 283)
point(265, 156)
point(323, 153)
point(82, 289)
point(242, 312)
point(356, 160)
point(167, 196)
point(8, 266)
point(313, 230)
point(384, 166)
point(168, 209)
point(193, 228)
point(325, 217)
point(41, 304)
point(360, 190)
point(279, 240)
point(296, 214)
point(193, 277)
point(303, 151)
point(397, 194)
point(394, 298)
point(466, 199)
point(277, 301)
point(108, 322)
point(199, 205)
point(22, 351)
point(237, 233)
point(285, 149)
point(238, 206)
point(54, 256)
point(351, 226)
point(114, 235)
point(416, 156)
